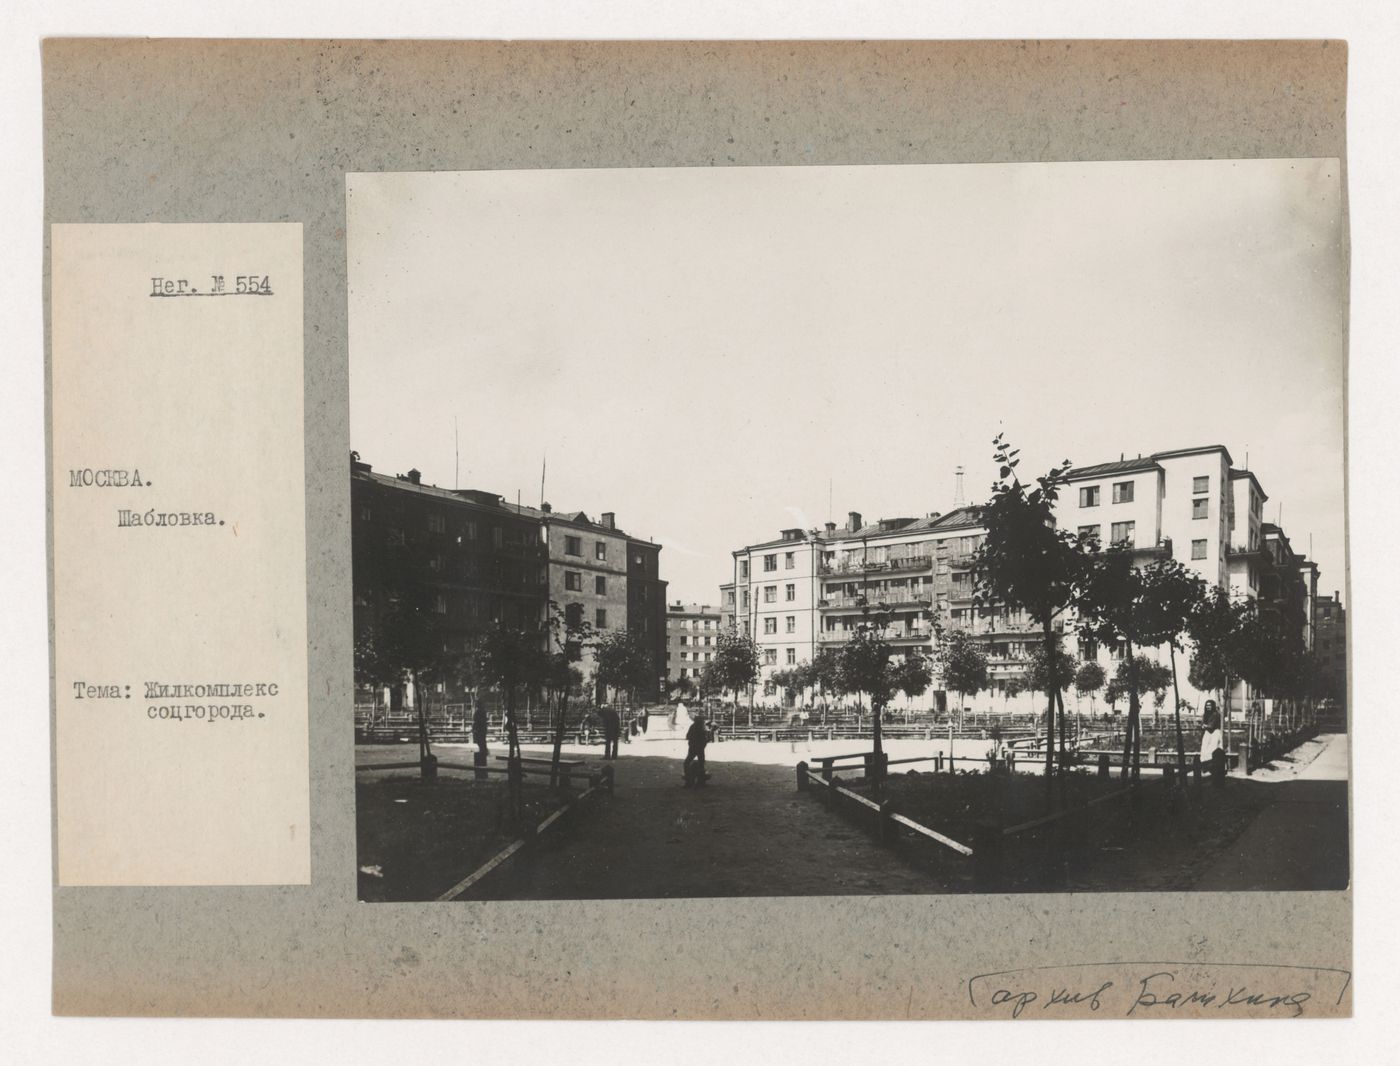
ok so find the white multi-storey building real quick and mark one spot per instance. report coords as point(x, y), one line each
point(1195, 506)
point(807, 590)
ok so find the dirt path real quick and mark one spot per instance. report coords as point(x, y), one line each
point(1300, 840)
point(747, 833)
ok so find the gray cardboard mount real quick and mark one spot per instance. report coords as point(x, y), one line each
point(265, 131)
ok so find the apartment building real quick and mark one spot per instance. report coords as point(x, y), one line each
point(1195, 506)
point(1330, 645)
point(809, 590)
point(476, 559)
point(692, 631)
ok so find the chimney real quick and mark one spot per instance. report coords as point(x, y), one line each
point(546, 508)
point(853, 521)
point(415, 476)
point(831, 527)
point(609, 520)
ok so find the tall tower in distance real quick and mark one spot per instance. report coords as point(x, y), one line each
point(959, 496)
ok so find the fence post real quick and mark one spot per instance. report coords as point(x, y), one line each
point(802, 785)
point(1103, 765)
point(987, 857)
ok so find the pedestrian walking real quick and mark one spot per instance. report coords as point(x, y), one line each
point(480, 727)
point(697, 736)
point(612, 730)
point(1212, 748)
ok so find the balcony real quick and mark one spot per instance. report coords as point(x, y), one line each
point(908, 563)
point(962, 562)
point(877, 600)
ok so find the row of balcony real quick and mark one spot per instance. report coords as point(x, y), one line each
point(879, 599)
point(917, 633)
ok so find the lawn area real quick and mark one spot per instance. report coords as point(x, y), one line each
point(1152, 843)
point(421, 838)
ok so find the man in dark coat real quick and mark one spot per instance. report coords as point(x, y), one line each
point(612, 729)
point(697, 736)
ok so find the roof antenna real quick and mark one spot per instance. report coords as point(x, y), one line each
point(456, 456)
point(959, 496)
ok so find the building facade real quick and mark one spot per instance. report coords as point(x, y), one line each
point(808, 589)
point(1195, 506)
point(474, 560)
point(692, 631)
point(1330, 646)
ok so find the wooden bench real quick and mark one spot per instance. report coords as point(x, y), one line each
point(535, 760)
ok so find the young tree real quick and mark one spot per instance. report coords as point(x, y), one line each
point(1027, 562)
point(963, 664)
point(826, 674)
point(865, 667)
point(1052, 669)
point(569, 634)
point(622, 662)
point(1172, 594)
point(1142, 606)
point(513, 657)
point(1215, 629)
point(1089, 679)
point(1014, 687)
point(735, 665)
point(912, 675)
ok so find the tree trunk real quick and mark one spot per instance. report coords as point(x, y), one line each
point(1049, 719)
point(513, 765)
point(1132, 747)
point(1176, 707)
point(559, 739)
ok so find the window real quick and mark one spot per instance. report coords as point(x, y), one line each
point(729, 598)
point(497, 537)
point(1200, 485)
point(1123, 532)
point(573, 545)
point(709, 623)
point(441, 604)
point(1200, 508)
point(789, 593)
point(573, 581)
point(770, 656)
point(770, 625)
point(709, 641)
point(789, 560)
point(1122, 492)
point(600, 551)
point(1087, 532)
point(745, 601)
point(707, 656)
point(437, 524)
point(684, 640)
point(743, 569)
point(770, 593)
point(792, 656)
point(469, 530)
point(365, 513)
point(1198, 549)
point(600, 585)
point(600, 618)
point(1089, 496)
point(791, 623)
point(684, 655)
point(770, 563)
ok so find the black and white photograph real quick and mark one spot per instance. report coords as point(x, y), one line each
point(780, 531)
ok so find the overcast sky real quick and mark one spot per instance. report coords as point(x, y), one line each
point(711, 352)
